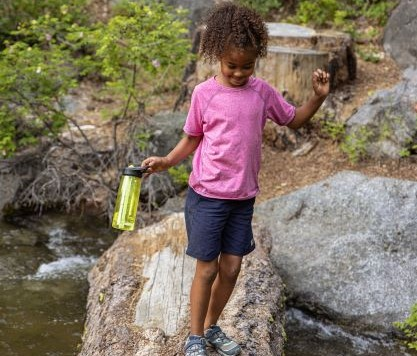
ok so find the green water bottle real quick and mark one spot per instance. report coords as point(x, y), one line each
point(127, 201)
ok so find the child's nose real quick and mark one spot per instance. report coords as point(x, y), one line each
point(238, 73)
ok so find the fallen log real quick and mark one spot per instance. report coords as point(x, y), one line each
point(139, 291)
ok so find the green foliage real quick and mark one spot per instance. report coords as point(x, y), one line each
point(333, 129)
point(355, 144)
point(411, 147)
point(319, 12)
point(409, 328)
point(142, 140)
point(7, 134)
point(385, 131)
point(378, 11)
point(32, 83)
point(343, 14)
point(138, 47)
point(179, 175)
point(44, 58)
point(16, 12)
point(368, 55)
point(404, 152)
point(262, 6)
point(36, 72)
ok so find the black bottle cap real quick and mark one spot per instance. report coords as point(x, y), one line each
point(135, 171)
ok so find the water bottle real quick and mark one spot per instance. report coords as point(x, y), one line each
point(127, 201)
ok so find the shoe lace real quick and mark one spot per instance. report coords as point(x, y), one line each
point(196, 350)
point(221, 336)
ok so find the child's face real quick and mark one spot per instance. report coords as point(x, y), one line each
point(236, 67)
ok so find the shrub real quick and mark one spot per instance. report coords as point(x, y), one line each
point(139, 47)
point(409, 328)
point(36, 72)
point(46, 57)
point(262, 6)
point(16, 12)
point(356, 143)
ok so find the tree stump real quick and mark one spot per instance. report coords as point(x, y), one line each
point(293, 53)
point(339, 46)
point(289, 70)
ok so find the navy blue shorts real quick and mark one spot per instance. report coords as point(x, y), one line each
point(217, 226)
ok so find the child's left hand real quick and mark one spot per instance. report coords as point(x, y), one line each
point(321, 82)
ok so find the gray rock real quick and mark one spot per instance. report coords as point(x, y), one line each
point(346, 247)
point(400, 34)
point(165, 131)
point(386, 125)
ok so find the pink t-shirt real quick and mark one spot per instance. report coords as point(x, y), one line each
point(231, 120)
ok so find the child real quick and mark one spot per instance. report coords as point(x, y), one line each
point(224, 128)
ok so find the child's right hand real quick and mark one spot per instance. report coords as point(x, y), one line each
point(156, 164)
point(321, 83)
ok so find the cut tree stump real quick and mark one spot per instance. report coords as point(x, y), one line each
point(338, 45)
point(293, 53)
point(289, 70)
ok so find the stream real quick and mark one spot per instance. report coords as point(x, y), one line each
point(44, 263)
point(308, 336)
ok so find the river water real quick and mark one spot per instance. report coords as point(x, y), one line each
point(44, 263)
point(308, 336)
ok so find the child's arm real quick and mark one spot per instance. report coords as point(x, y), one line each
point(321, 86)
point(182, 150)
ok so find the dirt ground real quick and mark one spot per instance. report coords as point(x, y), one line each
point(282, 173)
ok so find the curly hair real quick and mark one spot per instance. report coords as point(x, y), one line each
point(230, 25)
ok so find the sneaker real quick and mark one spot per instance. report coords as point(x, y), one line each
point(217, 338)
point(195, 346)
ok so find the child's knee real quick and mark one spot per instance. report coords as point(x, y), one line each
point(207, 271)
point(230, 273)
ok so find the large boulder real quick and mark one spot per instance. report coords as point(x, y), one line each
point(346, 247)
point(400, 34)
point(139, 292)
point(386, 124)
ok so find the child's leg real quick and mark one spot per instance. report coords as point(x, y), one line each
point(204, 276)
point(229, 268)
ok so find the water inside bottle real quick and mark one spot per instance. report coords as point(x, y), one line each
point(127, 202)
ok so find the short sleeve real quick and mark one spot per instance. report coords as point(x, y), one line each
point(194, 123)
point(278, 109)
